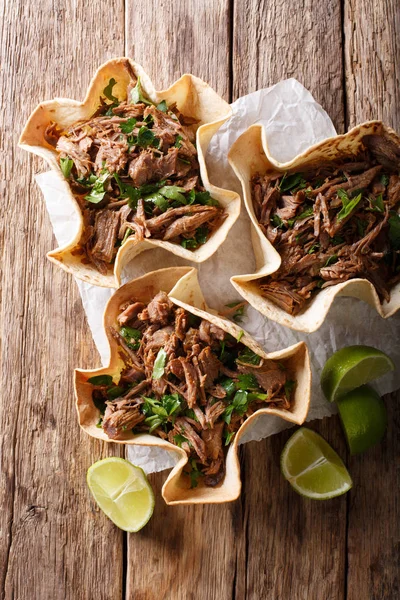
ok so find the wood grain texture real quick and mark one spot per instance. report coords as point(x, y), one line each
point(280, 39)
point(372, 61)
point(374, 524)
point(301, 41)
point(185, 36)
point(54, 543)
point(180, 562)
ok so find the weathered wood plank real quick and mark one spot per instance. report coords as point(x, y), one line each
point(291, 547)
point(374, 525)
point(276, 40)
point(184, 552)
point(186, 36)
point(372, 61)
point(54, 543)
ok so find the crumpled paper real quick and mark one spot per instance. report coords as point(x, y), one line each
point(293, 121)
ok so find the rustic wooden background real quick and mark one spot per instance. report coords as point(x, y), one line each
point(270, 544)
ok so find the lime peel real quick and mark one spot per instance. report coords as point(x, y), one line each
point(324, 476)
point(122, 491)
point(352, 367)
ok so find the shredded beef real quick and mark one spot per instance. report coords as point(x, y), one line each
point(335, 222)
point(189, 401)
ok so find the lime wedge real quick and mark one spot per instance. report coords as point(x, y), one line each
point(364, 419)
point(122, 491)
point(312, 467)
point(351, 367)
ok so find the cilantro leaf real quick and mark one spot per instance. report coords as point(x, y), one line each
point(241, 334)
point(249, 357)
point(98, 192)
point(331, 260)
point(115, 392)
point(162, 106)
point(174, 192)
point(229, 386)
point(228, 437)
point(131, 336)
point(377, 204)
point(247, 381)
point(128, 126)
point(137, 96)
point(277, 222)
point(108, 90)
point(307, 212)
point(178, 140)
point(180, 439)
point(313, 248)
point(289, 182)
point(101, 380)
point(145, 137)
point(66, 165)
point(205, 199)
point(238, 314)
point(239, 404)
point(349, 204)
point(159, 364)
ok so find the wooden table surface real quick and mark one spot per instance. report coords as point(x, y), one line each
point(271, 543)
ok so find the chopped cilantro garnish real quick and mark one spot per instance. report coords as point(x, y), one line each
point(162, 106)
point(101, 380)
point(98, 192)
point(115, 392)
point(178, 140)
point(247, 381)
point(377, 204)
point(159, 364)
point(137, 96)
point(66, 165)
point(331, 260)
point(277, 222)
point(128, 126)
point(228, 437)
point(131, 336)
point(349, 204)
point(292, 182)
point(249, 357)
point(238, 314)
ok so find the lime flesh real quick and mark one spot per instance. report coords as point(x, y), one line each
point(122, 491)
point(364, 419)
point(312, 467)
point(351, 367)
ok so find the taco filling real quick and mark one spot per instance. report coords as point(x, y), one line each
point(332, 223)
point(186, 381)
point(133, 169)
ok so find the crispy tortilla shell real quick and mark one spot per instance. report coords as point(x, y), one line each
point(182, 286)
point(249, 155)
point(193, 98)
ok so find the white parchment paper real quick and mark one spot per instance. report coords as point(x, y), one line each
point(293, 122)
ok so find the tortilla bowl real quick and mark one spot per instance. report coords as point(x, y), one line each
point(193, 98)
point(250, 155)
point(181, 285)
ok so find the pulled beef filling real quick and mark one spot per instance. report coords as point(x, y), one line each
point(331, 224)
point(187, 381)
point(134, 171)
